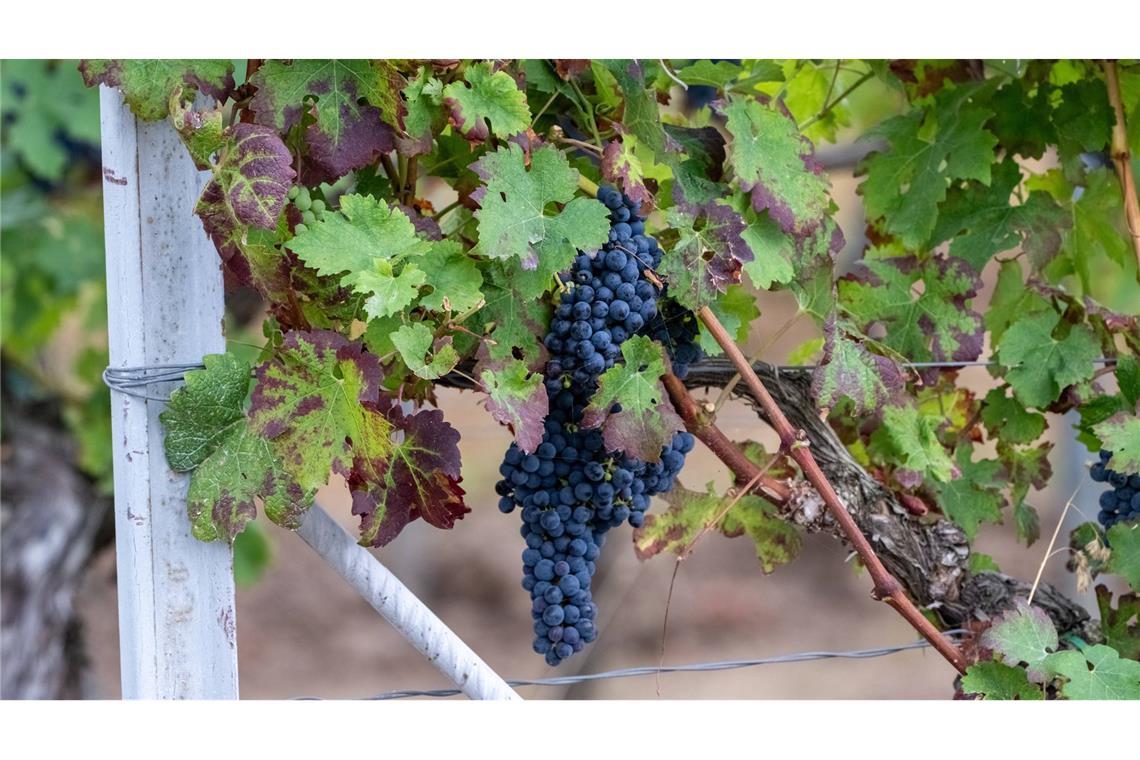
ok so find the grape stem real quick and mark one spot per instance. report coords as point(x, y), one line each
point(1122, 158)
point(886, 588)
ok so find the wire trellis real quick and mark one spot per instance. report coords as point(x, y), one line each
point(134, 381)
point(698, 667)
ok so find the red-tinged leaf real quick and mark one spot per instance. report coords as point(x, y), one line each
point(706, 254)
point(623, 168)
point(849, 370)
point(1025, 634)
point(647, 420)
point(420, 478)
point(517, 398)
point(147, 85)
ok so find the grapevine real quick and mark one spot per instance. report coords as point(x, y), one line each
point(558, 238)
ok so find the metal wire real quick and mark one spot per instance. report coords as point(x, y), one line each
point(700, 667)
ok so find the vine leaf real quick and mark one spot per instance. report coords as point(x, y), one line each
point(1040, 366)
point(974, 497)
point(368, 240)
point(455, 281)
point(936, 324)
point(354, 99)
point(147, 85)
point(415, 342)
point(707, 254)
point(1098, 229)
point(647, 421)
point(848, 370)
point(418, 478)
point(517, 397)
point(622, 167)
point(927, 149)
point(1096, 672)
point(310, 403)
point(911, 438)
point(705, 72)
point(1025, 634)
point(207, 432)
point(422, 98)
point(1120, 625)
point(774, 163)
point(996, 680)
point(485, 96)
point(202, 132)
point(516, 218)
point(251, 180)
point(1007, 418)
point(691, 512)
point(734, 309)
point(640, 114)
point(1124, 538)
point(1011, 301)
point(517, 318)
point(1120, 434)
point(773, 252)
point(983, 223)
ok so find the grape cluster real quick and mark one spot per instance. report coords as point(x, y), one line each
point(1121, 503)
point(312, 209)
point(676, 328)
point(571, 490)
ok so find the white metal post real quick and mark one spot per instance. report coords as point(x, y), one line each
point(164, 304)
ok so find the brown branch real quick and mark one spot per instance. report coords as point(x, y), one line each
point(1122, 158)
point(886, 588)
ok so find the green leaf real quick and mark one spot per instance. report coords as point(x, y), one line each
point(422, 97)
point(974, 497)
point(517, 218)
point(914, 440)
point(705, 72)
point(1025, 634)
point(736, 308)
point(486, 96)
point(774, 163)
point(368, 240)
point(1011, 301)
point(692, 513)
point(207, 430)
point(849, 370)
point(647, 421)
point(40, 101)
point(983, 563)
point(147, 85)
point(1040, 366)
point(253, 554)
point(1124, 538)
point(415, 342)
point(455, 282)
point(356, 101)
point(1007, 418)
point(995, 680)
point(641, 116)
point(1083, 118)
point(773, 251)
point(1128, 378)
point(1096, 672)
point(1098, 230)
point(1120, 434)
point(518, 317)
point(517, 397)
point(1120, 625)
point(982, 221)
point(927, 150)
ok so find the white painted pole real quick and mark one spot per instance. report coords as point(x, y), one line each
point(164, 304)
point(400, 607)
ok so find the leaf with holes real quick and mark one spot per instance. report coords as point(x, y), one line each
point(775, 163)
point(148, 84)
point(692, 513)
point(517, 397)
point(646, 421)
point(369, 241)
point(419, 477)
point(1120, 434)
point(416, 342)
point(486, 97)
point(518, 218)
point(1039, 366)
point(356, 102)
point(1096, 672)
point(848, 370)
point(1026, 635)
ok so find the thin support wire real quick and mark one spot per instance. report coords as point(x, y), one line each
point(700, 667)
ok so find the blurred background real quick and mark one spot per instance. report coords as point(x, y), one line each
point(301, 630)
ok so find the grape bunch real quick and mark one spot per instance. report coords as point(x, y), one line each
point(312, 209)
point(676, 328)
point(571, 490)
point(1121, 503)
